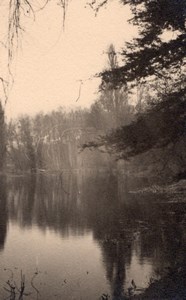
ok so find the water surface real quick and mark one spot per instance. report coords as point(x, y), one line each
point(79, 235)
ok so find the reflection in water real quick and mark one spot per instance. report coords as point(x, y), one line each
point(139, 235)
point(3, 212)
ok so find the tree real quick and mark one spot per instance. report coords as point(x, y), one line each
point(152, 58)
point(2, 138)
point(156, 54)
point(149, 54)
point(20, 145)
point(115, 101)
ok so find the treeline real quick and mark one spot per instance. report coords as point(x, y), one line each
point(53, 141)
point(155, 138)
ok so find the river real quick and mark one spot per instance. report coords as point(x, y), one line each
point(85, 235)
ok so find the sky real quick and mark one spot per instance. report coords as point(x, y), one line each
point(51, 62)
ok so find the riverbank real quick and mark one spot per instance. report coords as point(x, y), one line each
point(173, 284)
point(174, 191)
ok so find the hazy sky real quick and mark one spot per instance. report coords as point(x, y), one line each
point(50, 61)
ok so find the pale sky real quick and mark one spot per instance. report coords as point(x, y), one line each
point(50, 62)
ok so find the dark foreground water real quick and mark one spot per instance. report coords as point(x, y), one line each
point(79, 236)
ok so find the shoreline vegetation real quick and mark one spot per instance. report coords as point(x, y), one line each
point(176, 189)
point(173, 284)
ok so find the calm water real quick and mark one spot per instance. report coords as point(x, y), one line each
point(81, 235)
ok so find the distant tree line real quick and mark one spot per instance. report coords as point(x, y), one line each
point(52, 141)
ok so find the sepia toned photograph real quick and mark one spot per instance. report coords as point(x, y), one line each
point(92, 149)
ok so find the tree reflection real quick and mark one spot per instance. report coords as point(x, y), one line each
point(3, 212)
point(109, 228)
point(21, 196)
point(122, 223)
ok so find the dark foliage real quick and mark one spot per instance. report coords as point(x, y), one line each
point(148, 61)
point(148, 54)
point(162, 125)
point(151, 56)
